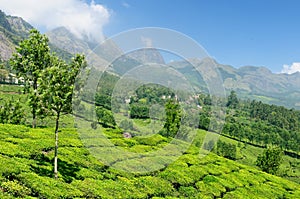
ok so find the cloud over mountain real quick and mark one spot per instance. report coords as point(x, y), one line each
point(295, 67)
point(81, 18)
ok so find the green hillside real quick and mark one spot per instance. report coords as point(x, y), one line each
point(26, 171)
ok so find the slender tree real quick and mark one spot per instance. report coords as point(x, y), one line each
point(56, 90)
point(31, 58)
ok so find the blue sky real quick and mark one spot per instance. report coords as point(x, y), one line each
point(235, 32)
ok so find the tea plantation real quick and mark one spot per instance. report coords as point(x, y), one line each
point(26, 171)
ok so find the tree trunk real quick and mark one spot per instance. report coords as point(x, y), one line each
point(56, 147)
point(34, 105)
point(33, 118)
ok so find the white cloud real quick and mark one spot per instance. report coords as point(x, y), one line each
point(81, 18)
point(290, 69)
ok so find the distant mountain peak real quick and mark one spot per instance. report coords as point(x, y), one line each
point(147, 55)
point(254, 69)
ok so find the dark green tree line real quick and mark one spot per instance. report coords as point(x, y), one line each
point(256, 122)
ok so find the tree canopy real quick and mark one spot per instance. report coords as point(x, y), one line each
point(31, 58)
point(270, 160)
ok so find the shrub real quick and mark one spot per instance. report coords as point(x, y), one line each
point(188, 192)
point(226, 150)
point(141, 148)
point(46, 187)
point(176, 175)
point(126, 124)
point(209, 189)
point(12, 112)
point(139, 111)
point(154, 140)
point(154, 186)
point(270, 160)
point(10, 167)
point(15, 188)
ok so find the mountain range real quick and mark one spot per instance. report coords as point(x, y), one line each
point(249, 82)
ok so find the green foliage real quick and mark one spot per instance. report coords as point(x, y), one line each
point(15, 188)
point(270, 160)
point(262, 124)
point(57, 84)
point(105, 117)
point(126, 125)
point(12, 112)
point(187, 192)
point(47, 187)
point(103, 100)
point(153, 93)
point(173, 119)
point(204, 120)
point(3, 74)
point(226, 150)
point(139, 110)
point(207, 100)
point(209, 145)
point(153, 140)
point(105, 89)
point(31, 58)
point(33, 55)
point(232, 100)
point(147, 95)
point(11, 89)
point(154, 186)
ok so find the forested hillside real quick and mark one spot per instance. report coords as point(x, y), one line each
point(259, 123)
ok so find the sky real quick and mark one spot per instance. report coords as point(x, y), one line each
point(234, 32)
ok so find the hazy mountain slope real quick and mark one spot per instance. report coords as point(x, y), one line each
point(281, 89)
point(249, 81)
point(97, 56)
point(12, 31)
point(148, 55)
point(65, 40)
point(15, 29)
